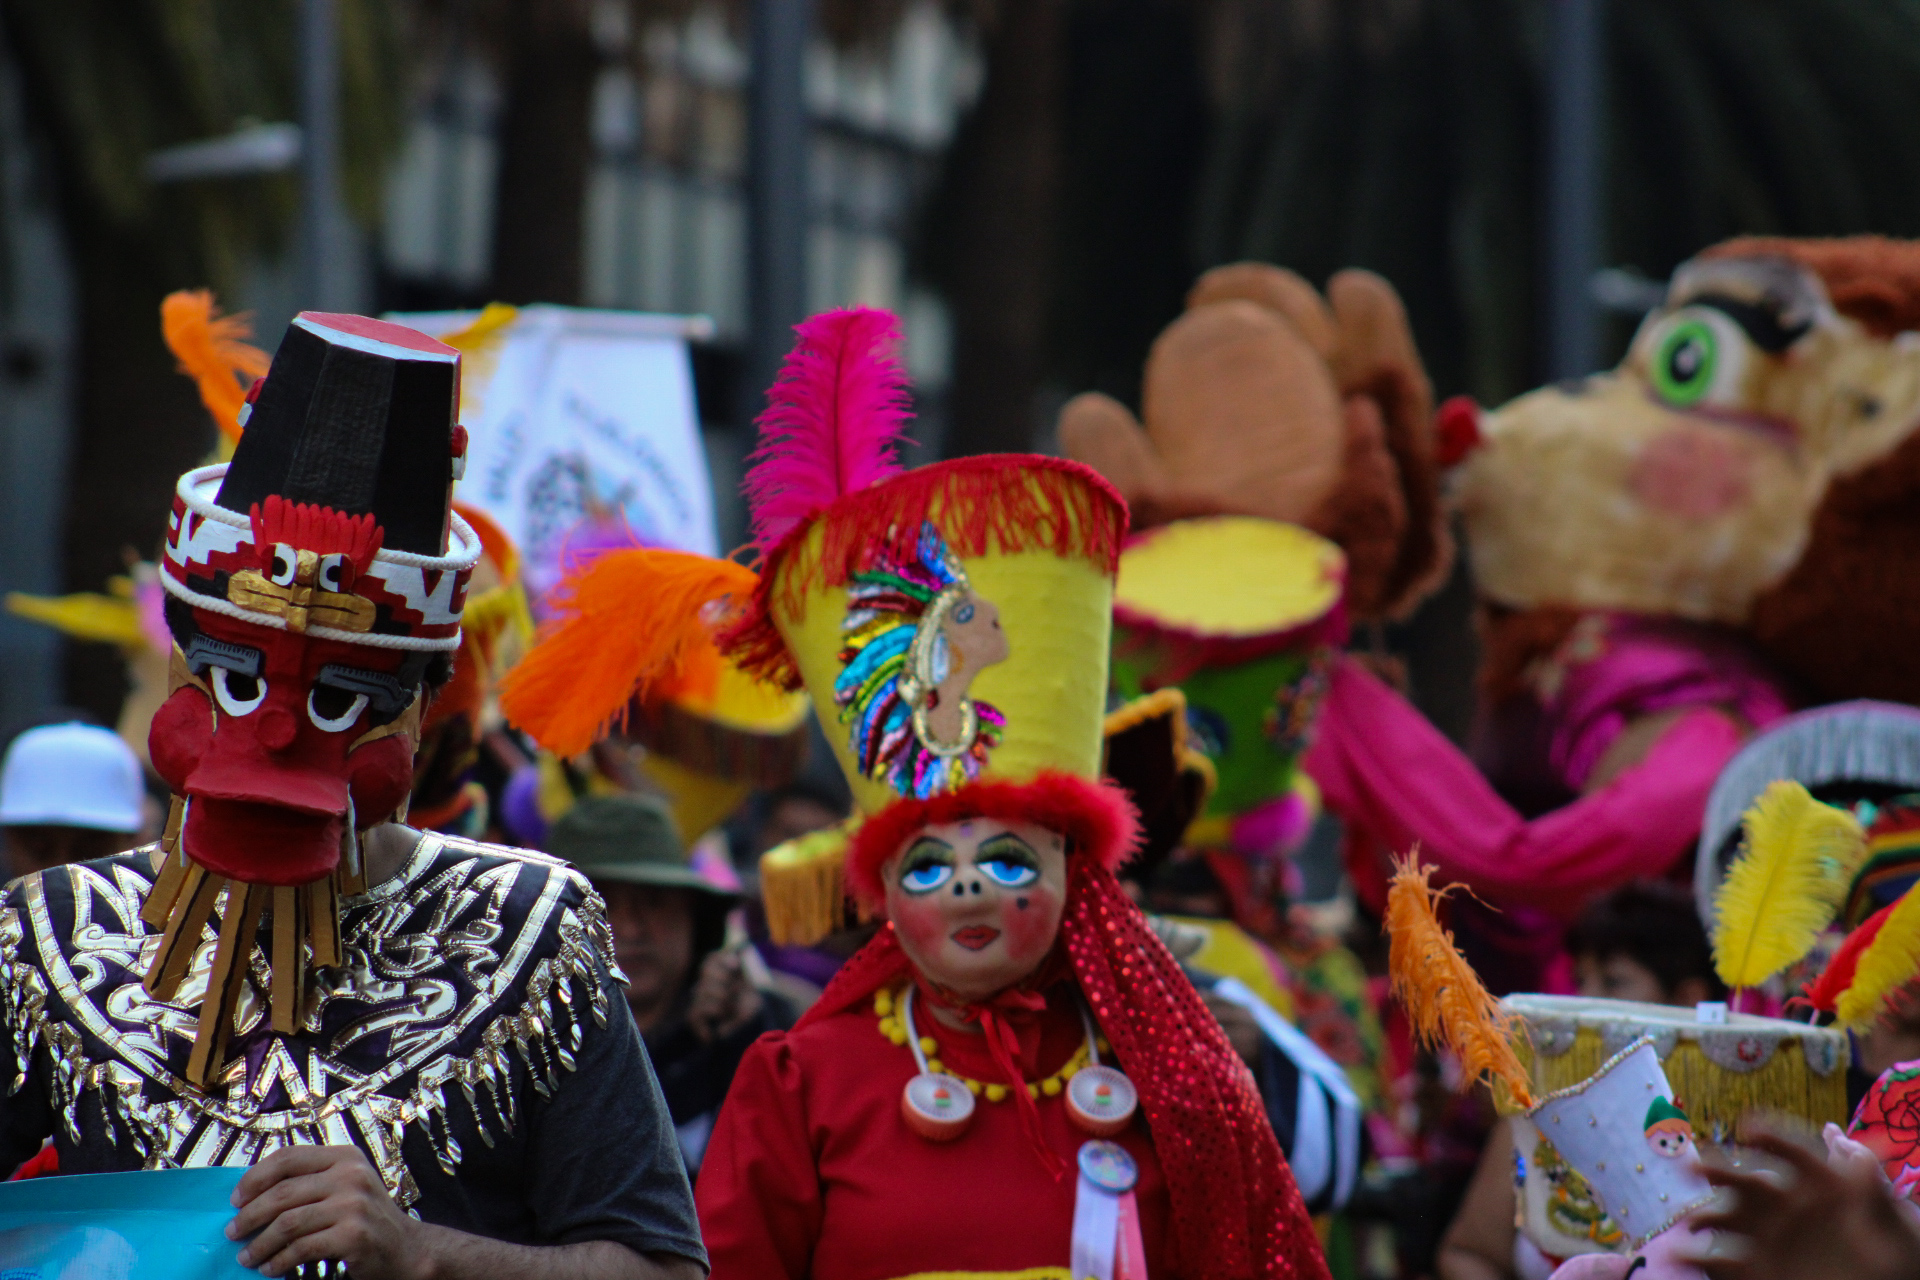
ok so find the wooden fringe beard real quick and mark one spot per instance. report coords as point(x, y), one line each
point(303, 922)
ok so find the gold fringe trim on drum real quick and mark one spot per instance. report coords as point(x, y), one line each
point(1715, 1098)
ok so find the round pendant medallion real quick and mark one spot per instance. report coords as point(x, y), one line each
point(937, 1107)
point(1101, 1100)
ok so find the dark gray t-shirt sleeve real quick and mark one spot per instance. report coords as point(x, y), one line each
point(26, 1119)
point(604, 1161)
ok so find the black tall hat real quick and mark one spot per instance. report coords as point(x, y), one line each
point(358, 415)
point(355, 416)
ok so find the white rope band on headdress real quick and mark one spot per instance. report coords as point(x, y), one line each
point(195, 492)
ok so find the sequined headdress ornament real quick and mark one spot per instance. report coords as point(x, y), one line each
point(839, 529)
point(315, 585)
point(897, 651)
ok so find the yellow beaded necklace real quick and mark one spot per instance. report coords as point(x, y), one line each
point(884, 1004)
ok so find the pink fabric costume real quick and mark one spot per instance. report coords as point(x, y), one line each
point(1397, 781)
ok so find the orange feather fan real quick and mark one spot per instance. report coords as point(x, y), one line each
point(213, 351)
point(1444, 998)
point(631, 622)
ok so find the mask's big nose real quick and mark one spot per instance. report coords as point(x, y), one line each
point(277, 728)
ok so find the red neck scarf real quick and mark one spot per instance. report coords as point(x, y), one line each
point(999, 1018)
point(1236, 1211)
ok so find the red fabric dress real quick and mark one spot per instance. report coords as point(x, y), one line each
point(811, 1171)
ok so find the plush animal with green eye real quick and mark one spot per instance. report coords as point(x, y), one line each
point(1751, 462)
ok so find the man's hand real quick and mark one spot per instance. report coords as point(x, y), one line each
point(1821, 1223)
point(1243, 1032)
point(723, 997)
point(309, 1203)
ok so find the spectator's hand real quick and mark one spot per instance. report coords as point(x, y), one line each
point(1243, 1033)
point(310, 1203)
point(724, 999)
point(1820, 1223)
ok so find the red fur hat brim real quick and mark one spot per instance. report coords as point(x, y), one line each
point(1097, 819)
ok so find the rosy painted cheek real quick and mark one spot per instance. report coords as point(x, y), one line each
point(922, 925)
point(182, 731)
point(1029, 929)
point(380, 774)
point(1692, 473)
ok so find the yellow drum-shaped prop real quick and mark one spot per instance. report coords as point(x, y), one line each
point(1721, 1065)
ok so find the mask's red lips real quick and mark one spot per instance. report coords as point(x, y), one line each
point(975, 937)
point(262, 843)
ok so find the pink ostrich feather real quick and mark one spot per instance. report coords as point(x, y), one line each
point(832, 420)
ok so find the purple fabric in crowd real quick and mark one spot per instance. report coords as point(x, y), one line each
point(520, 814)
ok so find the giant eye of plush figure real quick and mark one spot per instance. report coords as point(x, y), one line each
point(1696, 356)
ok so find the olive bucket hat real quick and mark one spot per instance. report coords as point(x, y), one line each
point(631, 839)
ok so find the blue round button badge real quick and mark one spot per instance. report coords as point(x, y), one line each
point(1108, 1166)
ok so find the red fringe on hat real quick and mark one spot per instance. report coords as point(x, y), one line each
point(1005, 502)
point(1096, 817)
point(306, 526)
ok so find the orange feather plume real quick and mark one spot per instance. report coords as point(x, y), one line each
point(1444, 998)
point(631, 622)
point(213, 351)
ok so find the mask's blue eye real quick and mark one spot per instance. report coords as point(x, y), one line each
point(1009, 874)
point(926, 877)
point(963, 613)
point(1211, 728)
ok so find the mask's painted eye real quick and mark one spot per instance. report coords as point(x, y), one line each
point(1210, 728)
point(925, 877)
point(238, 694)
point(333, 709)
point(332, 569)
point(963, 612)
point(1010, 873)
point(285, 561)
point(1696, 356)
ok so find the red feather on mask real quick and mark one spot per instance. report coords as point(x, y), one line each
point(833, 417)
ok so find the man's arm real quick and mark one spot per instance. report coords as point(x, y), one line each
point(309, 1203)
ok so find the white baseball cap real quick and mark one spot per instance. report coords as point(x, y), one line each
point(70, 775)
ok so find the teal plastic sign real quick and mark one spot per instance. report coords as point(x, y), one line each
point(169, 1224)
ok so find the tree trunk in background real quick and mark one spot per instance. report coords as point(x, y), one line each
point(546, 150)
point(1003, 183)
point(137, 425)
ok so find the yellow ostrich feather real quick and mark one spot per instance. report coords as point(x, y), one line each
point(1444, 998)
point(1789, 880)
point(1889, 963)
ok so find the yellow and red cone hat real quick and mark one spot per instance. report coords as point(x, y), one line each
point(950, 623)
